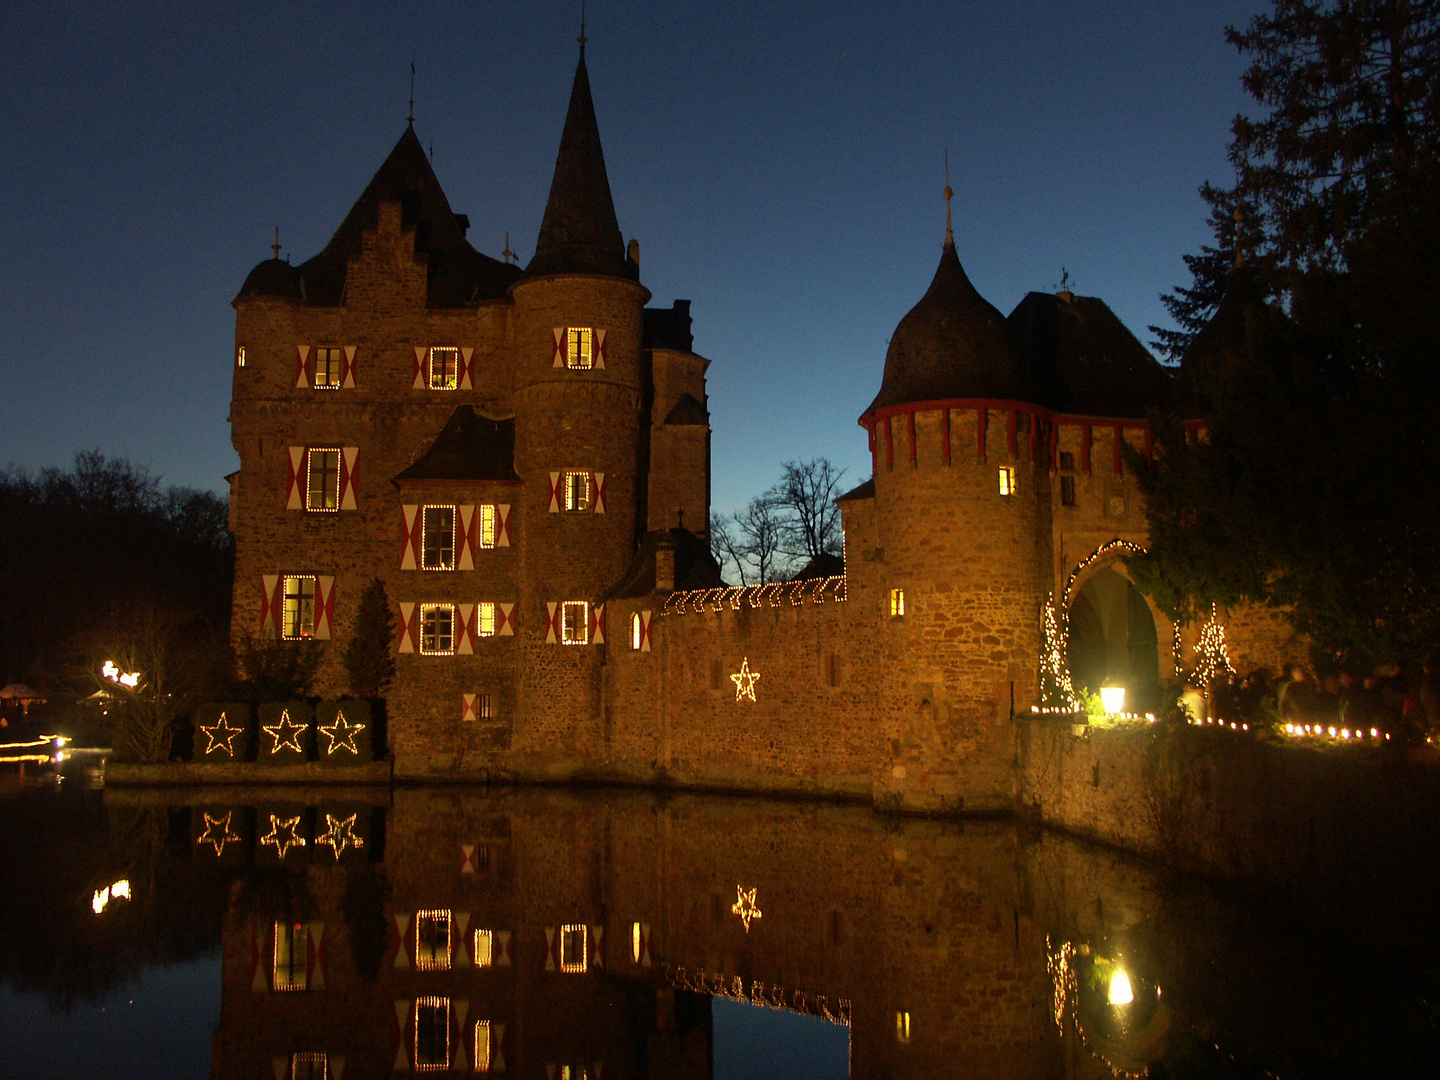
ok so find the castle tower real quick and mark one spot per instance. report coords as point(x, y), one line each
point(960, 550)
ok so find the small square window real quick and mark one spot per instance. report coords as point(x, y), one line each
point(327, 369)
point(292, 947)
point(444, 368)
point(298, 615)
point(437, 538)
point(485, 619)
point(482, 1046)
point(575, 622)
point(437, 629)
point(432, 941)
point(574, 954)
point(577, 491)
point(486, 531)
point(432, 1034)
point(240, 356)
point(322, 479)
point(637, 631)
point(1067, 491)
point(311, 1066)
point(580, 348)
point(1007, 480)
point(897, 603)
point(484, 948)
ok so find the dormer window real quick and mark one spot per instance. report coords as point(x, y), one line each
point(579, 348)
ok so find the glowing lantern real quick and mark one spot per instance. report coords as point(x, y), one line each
point(1112, 698)
point(1120, 992)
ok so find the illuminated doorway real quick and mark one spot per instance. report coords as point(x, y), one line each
point(1112, 636)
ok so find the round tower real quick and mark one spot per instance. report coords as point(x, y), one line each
point(962, 523)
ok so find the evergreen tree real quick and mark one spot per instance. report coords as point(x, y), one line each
point(370, 656)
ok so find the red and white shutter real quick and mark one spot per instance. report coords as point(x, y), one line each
point(599, 481)
point(554, 493)
point(459, 1013)
point(262, 956)
point(497, 1047)
point(646, 622)
point(302, 367)
point(410, 536)
point(348, 454)
point(465, 538)
point(463, 943)
point(559, 360)
point(404, 1033)
point(505, 620)
point(469, 710)
point(600, 349)
point(347, 374)
point(465, 354)
point(418, 382)
point(552, 622)
point(467, 851)
point(502, 525)
point(270, 603)
point(597, 946)
point(465, 632)
point(552, 948)
point(324, 607)
point(315, 960)
point(404, 939)
point(294, 499)
point(504, 948)
point(597, 624)
point(408, 629)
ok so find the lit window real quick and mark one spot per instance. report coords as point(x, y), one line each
point(1067, 491)
point(432, 940)
point(432, 1034)
point(292, 943)
point(437, 629)
point(482, 1046)
point(574, 957)
point(299, 612)
point(485, 619)
point(575, 622)
point(577, 491)
point(437, 538)
point(636, 631)
point(580, 348)
point(322, 479)
point(309, 1067)
point(240, 356)
point(1007, 480)
point(484, 710)
point(902, 1026)
point(327, 369)
point(444, 368)
point(484, 948)
point(897, 602)
point(637, 941)
point(486, 531)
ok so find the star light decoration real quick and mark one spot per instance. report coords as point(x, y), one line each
point(340, 835)
point(341, 735)
point(744, 905)
point(221, 736)
point(284, 834)
point(217, 833)
point(290, 739)
point(745, 681)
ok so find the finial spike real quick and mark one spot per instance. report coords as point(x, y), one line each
point(507, 254)
point(582, 29)
point(275, 247)
point(949, 231)
point(411, 118)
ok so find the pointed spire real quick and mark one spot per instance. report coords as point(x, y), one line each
point(411, 118)
point(275, 247)
point(580, 234)
point(949, 232)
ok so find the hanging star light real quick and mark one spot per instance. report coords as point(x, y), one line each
point(745, 681)
point(340, 834)
point(285, 734)
point(221, 736)
point(341, 735)
point(284, 834)
point(744, 906)
point(217, 833)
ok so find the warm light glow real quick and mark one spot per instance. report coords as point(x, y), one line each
point(1120, 992)
point(744, 906)
point(745, 681)
point(1007, 480)
point(574, 949)
point(902, 1026)
point(483, 948)
point(128, 679)
point(635, 942)
point(1112, 698)
point(897, 602)
point(340, 835)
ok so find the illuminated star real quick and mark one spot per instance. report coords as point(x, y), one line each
point(291, 734)
point(745, 681)
point(341, 735)
point(221, 736)
point(744, 905)
point(217, 833)
point(284, 834)
point(341, 833)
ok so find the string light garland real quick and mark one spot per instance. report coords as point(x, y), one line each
point(221, 736)
point(1057, 693)
point(1214, 657)
point(744, 906)
point(340, 835)
point(771, 996)
point(284, 834)
point(745, 681)
point(767, 594)
point(341, 735)
point(285, 734)
point(217, 833)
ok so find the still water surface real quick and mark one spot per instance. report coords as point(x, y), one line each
point(607, 935)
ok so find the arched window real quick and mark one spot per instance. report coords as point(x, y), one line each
point(635, 631)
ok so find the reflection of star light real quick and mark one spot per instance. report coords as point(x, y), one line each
point(292, 732)
point(744, 905)
point(221, 736)
point(217, 833)
point(745, 681)
point(341, 735)
point(341, 833)
point(283, 834)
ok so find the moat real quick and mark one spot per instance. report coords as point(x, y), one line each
point(371, 932)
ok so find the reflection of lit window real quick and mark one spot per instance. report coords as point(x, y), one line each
point(322, 480)
point(635, 631)
point(579, 347)
point(444, 369)
point(292, 941)
point(432, 1034)
point(486, 531)
point(574, 1072)
point(482, 1046)
point(298, 616)
point(636, 941)
point(902, 1027)
point(437, 629)
point(432, 940)
point(309, 1067)
point(485, 623)
point(437, 538)
point(575, 622)
point(1007, 480)
point(573, 955)
point(577, 490)
point(897, 602)
point(484, 948)
point(327, 369)
point(240, 356)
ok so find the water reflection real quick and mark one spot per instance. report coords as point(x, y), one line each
point(546, 933)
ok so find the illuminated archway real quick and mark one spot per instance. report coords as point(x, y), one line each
point(1113, 638)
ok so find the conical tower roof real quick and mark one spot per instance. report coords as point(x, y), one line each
point(580, 234)
point(952, 344)
point(1242, 308)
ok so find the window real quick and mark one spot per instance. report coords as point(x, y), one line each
point(637, 632)
point(240, 356)
point(432, 940)
point(1067, 491)
point(577, 491)
point(1007, 480)
point(299, 610)
point(1067, 461)
point(437, 629)
point(580, 348)
point(432, 1034)
point(292, 943)
point(484, 709)
point(486, 529)
point(575, 622)
point(897, 602)
point(482, 1046)
point(485, 620)
point(327, 369)
point(484, 948)
point(574, 957)
point(437, 538)
point(902, 1026)
point(637, 942)
point(444, 368)
point(322, 479)
point(309, 1067)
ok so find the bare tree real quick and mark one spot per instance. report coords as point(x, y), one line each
point(725, 545)
point(760, 538)
point(806, 501)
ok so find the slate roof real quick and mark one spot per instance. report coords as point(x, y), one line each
point(695, 566)
point(470, 448)
point(1241, 309)
point(863, 491)
point(823, 565)
point(687, 411)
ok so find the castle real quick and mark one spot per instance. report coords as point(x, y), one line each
point(522, 457)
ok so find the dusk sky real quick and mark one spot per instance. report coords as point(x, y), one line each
point(780, 164)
